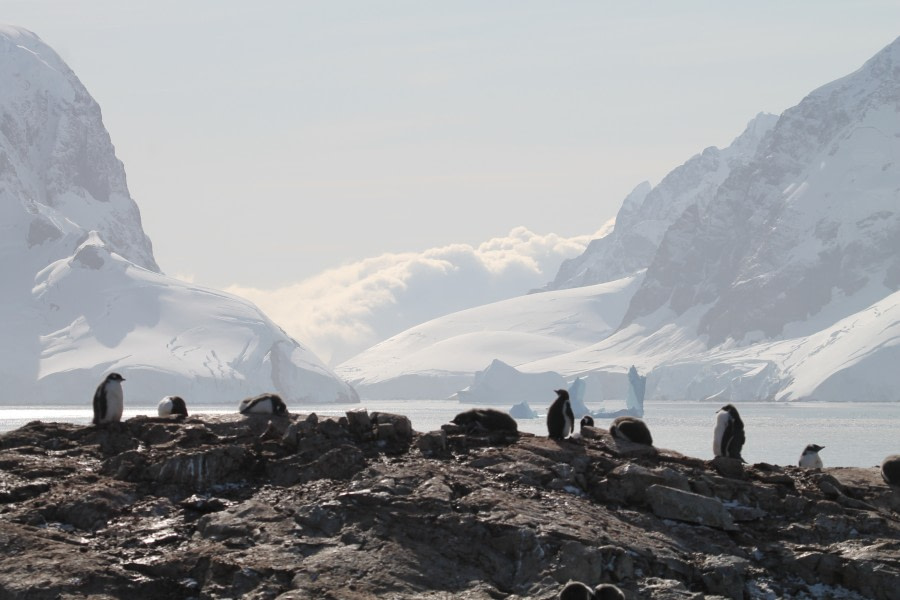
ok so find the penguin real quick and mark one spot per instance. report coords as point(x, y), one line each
point(486, 419)
point(109, 400)
point(810, 458)
point(587, 421)
point(728, 439)
point(172, 405)
point(890, 469)
point(631, 429)
point(264, 404)
point(608, 591)
point(575, 590)
point(560, 418)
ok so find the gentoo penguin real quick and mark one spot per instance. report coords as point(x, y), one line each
point(890, 469)
point(575, 590)
point(631, 429)
point(109, 400)
point(810, 458)
point(560, 418)
point(172, 405)
point(264, 404)
point(728, 439)
point(587, 421)
point(608, 591)
point(486, 419)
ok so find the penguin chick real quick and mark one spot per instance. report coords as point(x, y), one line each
point(728, 437)
point(264, 404)
point(631, 429)
point(560, 418)
point(109, 400)
point(890, 469)
point(172, 405)
point(810, 458)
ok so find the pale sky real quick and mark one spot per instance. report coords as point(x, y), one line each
point(266, 142)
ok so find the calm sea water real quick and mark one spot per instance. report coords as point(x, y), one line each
point(854, 434)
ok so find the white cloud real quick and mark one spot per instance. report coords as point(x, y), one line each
point(345, 310)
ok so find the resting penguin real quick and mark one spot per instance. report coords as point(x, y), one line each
point(264, 404)
point(575, 590)
point(487, 419)
point(631, 429)
point(728, 439)
point(587, 421)
point(109, 400)
point(890, 469)
point(608, 591)
point(560, 418)
point(172, 405)
point(810, 458)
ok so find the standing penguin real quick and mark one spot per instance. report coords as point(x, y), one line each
point(266, 404)
point(560, 418)
point(631, 429)
point(172, 405)
point(890, 469)
point(109, 400)
point(810, 458)
point(728, 439)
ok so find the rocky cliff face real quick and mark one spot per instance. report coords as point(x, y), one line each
point(648, 211)
point(57, 163)
point(364, 507)
point(82, 294)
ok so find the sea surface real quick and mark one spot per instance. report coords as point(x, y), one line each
point(855, 434)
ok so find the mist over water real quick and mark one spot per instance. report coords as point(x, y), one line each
point(854, 434)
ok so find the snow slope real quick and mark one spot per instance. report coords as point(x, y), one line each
point(772, 268)
point(82, 294)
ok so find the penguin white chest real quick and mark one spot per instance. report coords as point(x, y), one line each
point(568, 419)
point(722, 421)
point(115, 401)
point(811, 460)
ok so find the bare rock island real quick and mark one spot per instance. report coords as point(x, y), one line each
point(362, 506)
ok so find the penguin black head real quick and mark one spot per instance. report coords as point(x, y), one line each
point(564, 394)
point(114, 377)
point(587, 421)
point(730, 409)
point(608, 591)
point(813, 448)
point(278, 405)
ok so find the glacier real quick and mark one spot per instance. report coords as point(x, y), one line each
point(768, 270)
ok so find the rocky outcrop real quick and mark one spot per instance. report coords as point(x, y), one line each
point(362, 506)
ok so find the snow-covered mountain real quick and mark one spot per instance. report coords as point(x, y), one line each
point(82, 294)
point(648, 212)
point(768, 270)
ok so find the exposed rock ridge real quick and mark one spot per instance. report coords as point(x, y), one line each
point(364, 507)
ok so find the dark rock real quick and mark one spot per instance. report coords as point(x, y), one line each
point(670, 503)
point(433, 443)
point(216, 507)
point(729, 467)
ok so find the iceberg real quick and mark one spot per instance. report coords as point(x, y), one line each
point(500, 383)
